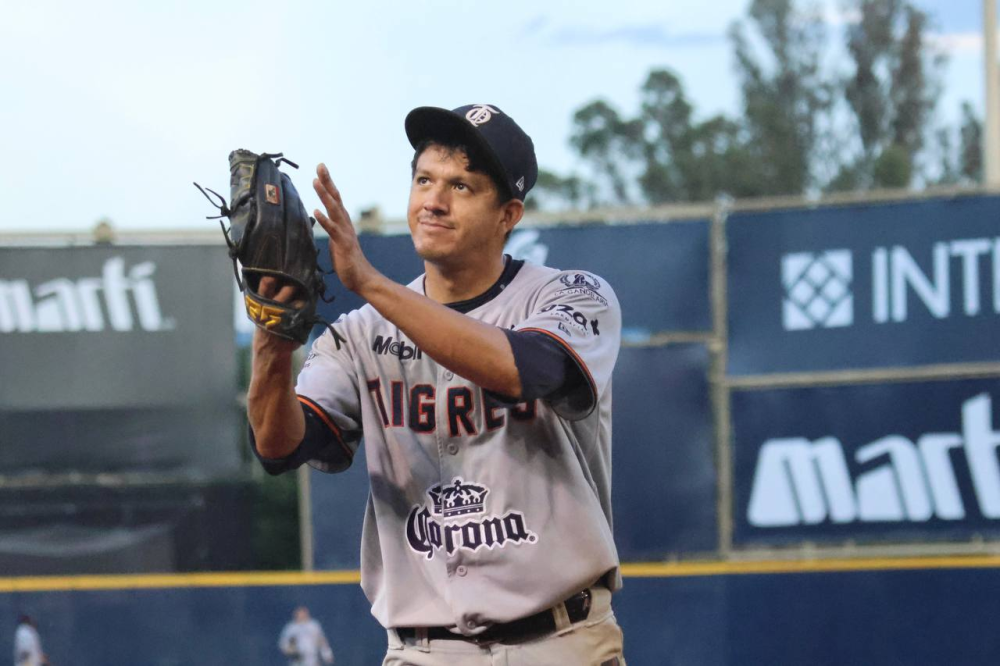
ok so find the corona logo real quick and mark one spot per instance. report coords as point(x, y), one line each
point(265, 315)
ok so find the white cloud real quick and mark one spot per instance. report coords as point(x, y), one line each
point(957, 43)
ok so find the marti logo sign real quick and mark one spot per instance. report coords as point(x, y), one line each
point(119, 300)
point(819, 287)
point(802, 482)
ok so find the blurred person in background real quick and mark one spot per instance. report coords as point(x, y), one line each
point(28, 644)
point(303, 641)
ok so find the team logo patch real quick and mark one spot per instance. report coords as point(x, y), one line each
point(584, 284)
point(581, 281)
point(480, 114)
point(271, 193)
point(433, 526)
point(569, 315)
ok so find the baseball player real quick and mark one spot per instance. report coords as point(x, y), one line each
point(303, 642)
point(483, 391)
point(28, 644)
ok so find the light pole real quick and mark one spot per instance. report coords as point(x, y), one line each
point(991, 138)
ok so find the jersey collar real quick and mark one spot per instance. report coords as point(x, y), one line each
point(509, 272)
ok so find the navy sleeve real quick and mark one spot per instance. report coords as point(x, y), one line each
point(545, 368)
point(322, 447)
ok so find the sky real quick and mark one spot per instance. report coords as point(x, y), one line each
point(109, 110)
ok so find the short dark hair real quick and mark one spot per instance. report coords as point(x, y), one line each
point(477, 163)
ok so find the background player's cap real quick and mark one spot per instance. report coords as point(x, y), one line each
point(510, 151)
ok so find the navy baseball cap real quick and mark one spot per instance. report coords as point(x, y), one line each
point(509, 150)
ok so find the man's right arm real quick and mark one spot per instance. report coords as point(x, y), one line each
point(272, 406)
point(288, 429)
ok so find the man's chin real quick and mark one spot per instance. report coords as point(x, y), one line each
point(430, 252)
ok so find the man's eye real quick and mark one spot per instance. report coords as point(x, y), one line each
point(422, 180)
point(461, 187)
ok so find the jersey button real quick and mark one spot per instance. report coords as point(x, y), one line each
point(453, 449)
point(449, 375)
point(470, 624)
point(461, 570)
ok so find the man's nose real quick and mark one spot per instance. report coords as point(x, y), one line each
point(436, 200)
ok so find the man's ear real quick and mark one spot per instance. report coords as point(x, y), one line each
point(513, 211)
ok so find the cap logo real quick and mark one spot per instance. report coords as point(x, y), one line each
point(520, 184)
point(480, 114)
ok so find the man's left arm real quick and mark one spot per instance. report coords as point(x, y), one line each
point(325, 651)
point(471, 349)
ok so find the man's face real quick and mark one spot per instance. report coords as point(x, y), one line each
point(455, 215)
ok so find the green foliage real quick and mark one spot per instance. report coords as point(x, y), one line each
point(892, 91)
point(661, 155)
point(554, 191)
point(893, 167)
point(275, 530)
point(784, 94)
point(607, 142)
point(802, 128)
point(276, 543)
point(971, 148)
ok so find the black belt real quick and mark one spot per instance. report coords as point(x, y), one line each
point(517, 631)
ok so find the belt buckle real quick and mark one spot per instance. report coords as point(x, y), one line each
point(482, 639)
point(588, 599)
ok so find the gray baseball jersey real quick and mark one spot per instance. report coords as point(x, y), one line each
point(480, 511)
point(27, 646)
point(307, 640)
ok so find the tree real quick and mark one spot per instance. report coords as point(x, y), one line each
point(784, 98)
point(892, 93)
point(662, 155)
point(608, 143)
point(803, 128)
point(971, 146)
point(553, 191)
point(687, 160)
point(666, 119)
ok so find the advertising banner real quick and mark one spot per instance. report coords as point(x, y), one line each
point(117, 357)
point(868, 286)
point(870, 463)
point(664, 483)
point(660, 272)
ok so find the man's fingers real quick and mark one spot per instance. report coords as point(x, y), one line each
point(332, 204)
point(324, 222)
point(267, 287)
point(327, 182)
point(277, 290)
point(286, 294)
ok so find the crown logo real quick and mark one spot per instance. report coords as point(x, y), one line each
point(458, 499)
point(581, 280)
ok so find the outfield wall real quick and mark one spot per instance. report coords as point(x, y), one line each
point(927, 611)
point(805, 461)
